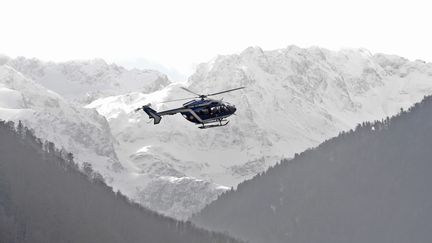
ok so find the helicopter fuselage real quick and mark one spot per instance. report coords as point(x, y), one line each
point(207, 111)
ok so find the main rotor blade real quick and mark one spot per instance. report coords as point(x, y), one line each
point(167, 101)
point(190, 91)
point(226, 91)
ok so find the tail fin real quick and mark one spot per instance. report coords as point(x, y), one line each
point(152, 114)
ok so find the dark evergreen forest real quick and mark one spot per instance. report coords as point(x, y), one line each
point(45, 197)
point(370, 184)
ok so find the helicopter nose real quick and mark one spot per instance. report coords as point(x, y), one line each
point(233, 109)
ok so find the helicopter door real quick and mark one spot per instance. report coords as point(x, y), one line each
point(189, 117)
point(204, 113)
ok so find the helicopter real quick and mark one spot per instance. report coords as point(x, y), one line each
point(207, 113)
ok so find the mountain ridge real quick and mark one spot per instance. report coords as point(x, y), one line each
point(295, 99)
point(45, 197)
point(83, 81)
point(369, 184)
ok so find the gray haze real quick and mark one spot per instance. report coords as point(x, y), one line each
point(44, 197)
point(368, 185)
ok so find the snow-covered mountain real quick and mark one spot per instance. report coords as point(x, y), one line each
point(294, 99)
point(81, 131)
point(174, 185)
point(84, 81)
point(88, 136)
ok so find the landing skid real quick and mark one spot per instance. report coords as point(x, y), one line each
point(214, 125)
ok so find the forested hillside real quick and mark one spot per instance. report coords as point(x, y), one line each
point(45, 197)
point(371, 184)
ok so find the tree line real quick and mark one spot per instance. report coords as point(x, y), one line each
point(46, 197)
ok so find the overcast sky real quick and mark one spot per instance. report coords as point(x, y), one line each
point(179, 34)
